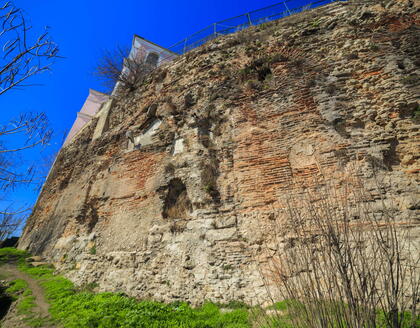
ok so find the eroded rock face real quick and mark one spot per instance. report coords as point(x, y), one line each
point(185, 214)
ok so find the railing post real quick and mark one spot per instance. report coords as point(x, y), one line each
point(185, 45)
point(249, 19)
point(214, 29)
point(287, 8)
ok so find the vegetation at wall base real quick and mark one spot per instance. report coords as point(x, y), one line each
point(10, 254)
point(290, 314)
point(19, 291)
point(346, 264)
point(73, 307)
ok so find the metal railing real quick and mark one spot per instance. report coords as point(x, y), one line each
point(238, 23)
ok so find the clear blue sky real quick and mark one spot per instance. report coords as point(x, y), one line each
point(82, 29)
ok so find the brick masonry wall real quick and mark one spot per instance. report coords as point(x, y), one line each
point(315, 93)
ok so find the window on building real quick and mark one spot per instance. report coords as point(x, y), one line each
point(152, 59)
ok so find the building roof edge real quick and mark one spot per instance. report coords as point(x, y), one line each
point(155, 44)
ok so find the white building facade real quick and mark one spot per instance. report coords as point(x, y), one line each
point(154, 55)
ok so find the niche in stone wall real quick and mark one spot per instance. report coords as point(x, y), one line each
point(177, 204)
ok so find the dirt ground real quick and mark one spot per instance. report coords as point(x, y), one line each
point(13, 319)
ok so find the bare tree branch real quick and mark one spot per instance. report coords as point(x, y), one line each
point(123, 70)
point(10, 220)
point(30, 131)
point(23, 55)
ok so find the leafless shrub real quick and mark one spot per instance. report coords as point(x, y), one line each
point(342, 259)
point(27, 131)
point(123, 71)
point(23, 55)
point(10, 221)
point(177, 226)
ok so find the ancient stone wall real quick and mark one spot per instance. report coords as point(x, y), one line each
point(185, 211)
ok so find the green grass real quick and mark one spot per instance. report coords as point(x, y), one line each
point(108, 310)
point(16, 286)
point(39, 322)
point(26, 304)
point(72, 307)
point(10, 254)
point(19, 290)
point(113, 310)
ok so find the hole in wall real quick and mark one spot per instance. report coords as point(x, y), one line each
point(391, 157)
point(177, 203)
point(263, 73)
point(340, 126)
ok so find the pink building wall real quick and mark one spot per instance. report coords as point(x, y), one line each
point(91, 106)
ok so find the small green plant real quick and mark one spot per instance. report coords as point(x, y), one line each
point(282, 306)
point(374, 47)
point(92, 250)
point(315, 23)
point(245, 71)
point(227, 267)
point(38, 322)
point(209, 188)
point(410, 79)
point(89, 287)
point(233, 305)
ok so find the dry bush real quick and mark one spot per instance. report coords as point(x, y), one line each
point(177, 203)
point(343, 259)
point(123, 71)
point(10, 222)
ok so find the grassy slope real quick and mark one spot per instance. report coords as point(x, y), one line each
point(20, 291)
point(74, 308)
point(82, 308)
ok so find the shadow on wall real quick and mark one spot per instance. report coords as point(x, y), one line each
point(177, 204)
